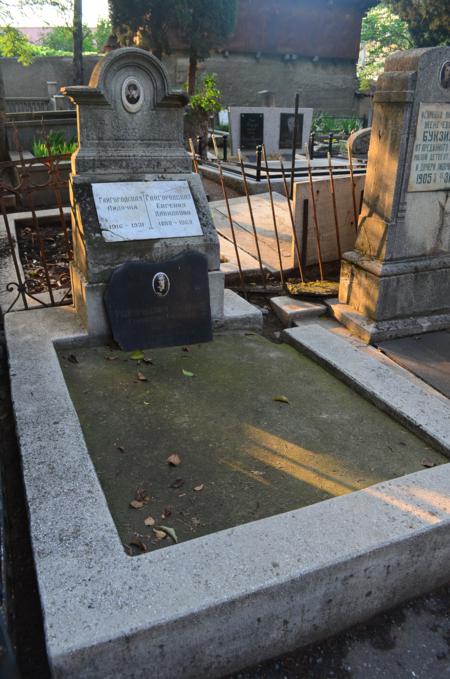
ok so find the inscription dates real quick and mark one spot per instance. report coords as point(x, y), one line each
point(145, 210)
point(430, 167)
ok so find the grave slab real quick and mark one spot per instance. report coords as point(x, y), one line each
point(290, 310)
point(106, 613)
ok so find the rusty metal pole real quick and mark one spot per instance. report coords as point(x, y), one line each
point(230, 219)
point(294, 231)
point(314, 207)
point(269, 183)
point(335, 212)
point(252, 218)
point(194, 159)
point(350, 163)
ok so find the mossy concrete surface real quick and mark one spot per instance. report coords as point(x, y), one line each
point(243, 455)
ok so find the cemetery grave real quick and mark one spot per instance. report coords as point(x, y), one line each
point(291, 502)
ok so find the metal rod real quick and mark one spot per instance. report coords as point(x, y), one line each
point(305, 229)
point(230, 219)
point(225, 147)
point(335, 212)
point(350, 163)
point(294, 143)
point(252, 218)
point(12, 247)
point(258, 162)
point(269, 183)
point(294, 230)
point(314, 207)
point(42, 252)
point(194, 159)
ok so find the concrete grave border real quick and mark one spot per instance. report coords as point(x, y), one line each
point(216, 603)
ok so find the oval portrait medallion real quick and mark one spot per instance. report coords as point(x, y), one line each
point(161, 284)
point(132, 95)
point(445, 75)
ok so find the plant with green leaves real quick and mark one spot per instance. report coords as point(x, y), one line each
point(207, 98)
point(382, 33)
point(55, 144)
point(428, 20)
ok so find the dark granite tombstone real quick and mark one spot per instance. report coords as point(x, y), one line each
point(160, 304)
point(252, 130)
point(287, 130)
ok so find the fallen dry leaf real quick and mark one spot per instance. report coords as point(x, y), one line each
point(159, 534)
point(428, 463)
point(137, 504)
point(72, 358)
point(121, 449)
point(166, 513)
point(111, 358)
point(141, 377)
point(199, 488)
point(146, 403)
point(168, 531)
point(137, 542)
point(177, 483)
point(281, 399)
point(137, 355)
point(148, 361)
point(149, 521)
point(185, 349)
point(174, 460)
point(141, 495)
point(187, 373)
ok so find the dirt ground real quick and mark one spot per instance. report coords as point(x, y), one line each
point(257, 428)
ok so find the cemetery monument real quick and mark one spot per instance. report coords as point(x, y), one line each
point(396, 282)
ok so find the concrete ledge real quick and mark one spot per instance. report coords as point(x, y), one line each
point(238, 314)
point(214, 604)
point(423, 410)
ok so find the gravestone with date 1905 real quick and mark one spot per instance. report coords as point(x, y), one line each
point(135, 200)
point(396, 282)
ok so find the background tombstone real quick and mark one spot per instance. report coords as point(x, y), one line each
point(133, 194)
point(396, 281)
point(270, 125)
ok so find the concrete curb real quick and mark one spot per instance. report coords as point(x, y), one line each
point(214, 604)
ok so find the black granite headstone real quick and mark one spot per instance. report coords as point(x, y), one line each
point(252, 130)
point(160, 304)
point(287, 130)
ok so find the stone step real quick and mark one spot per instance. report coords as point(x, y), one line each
point(290, 311)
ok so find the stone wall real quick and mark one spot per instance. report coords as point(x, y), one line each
point(31, 81)
point(326, 85)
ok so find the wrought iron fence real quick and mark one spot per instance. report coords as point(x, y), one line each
point(35, 244)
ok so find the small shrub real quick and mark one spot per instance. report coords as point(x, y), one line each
point(57, 144)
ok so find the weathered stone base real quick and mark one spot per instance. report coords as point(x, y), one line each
point(371, 331)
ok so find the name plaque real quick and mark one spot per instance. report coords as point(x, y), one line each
point(430, 166)
point(145, 210)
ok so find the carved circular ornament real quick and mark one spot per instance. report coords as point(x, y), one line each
point(444, 77)
point(161, 284)
point(132, 95)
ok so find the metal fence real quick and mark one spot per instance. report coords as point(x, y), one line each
point(35, 245)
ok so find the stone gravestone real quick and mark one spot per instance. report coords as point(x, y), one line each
point(252, 130)
point(135, 200)
point(396, 282)
point(160, 304)
point(287, 131)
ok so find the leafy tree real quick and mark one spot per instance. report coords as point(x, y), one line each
point(199, 25)
point(101, 33)
point(202, 25)
point(60, 39)
point(428, 20)
point(382, 32)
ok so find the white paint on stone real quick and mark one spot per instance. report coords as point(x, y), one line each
point(145, 210)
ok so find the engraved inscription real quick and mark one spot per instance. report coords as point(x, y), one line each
point(145, 210)
point(430, 166)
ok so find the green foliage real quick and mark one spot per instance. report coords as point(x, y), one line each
point(207, 97)
point(324, 124)
point(382, 32)
point(13, 43)
point(60, 39)
point(57, 144)
point(428, 20)
point(101, 33)
point(203, 24)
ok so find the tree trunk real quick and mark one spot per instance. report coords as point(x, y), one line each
point(77, 43)
point(192, 74)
